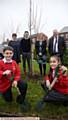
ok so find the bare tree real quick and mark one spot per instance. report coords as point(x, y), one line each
point(33, 25)
point(34, 22)
point(14, 29)
point(18, 28)
point(3, 37)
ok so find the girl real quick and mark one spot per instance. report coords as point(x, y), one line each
point(55, 83)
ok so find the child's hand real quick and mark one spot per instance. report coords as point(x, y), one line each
point(63, 68)
point(48, 84)
point(14, 84)
point(7, 72)
point(49, 87)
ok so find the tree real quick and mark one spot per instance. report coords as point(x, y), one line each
point(34, 21)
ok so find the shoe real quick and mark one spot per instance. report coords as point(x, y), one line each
point(40, 105)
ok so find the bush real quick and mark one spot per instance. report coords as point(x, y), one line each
point(65, 58)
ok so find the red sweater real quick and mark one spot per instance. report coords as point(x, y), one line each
point(5, 81)
point(61, 85)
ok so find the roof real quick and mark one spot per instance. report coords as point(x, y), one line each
point(64, 29)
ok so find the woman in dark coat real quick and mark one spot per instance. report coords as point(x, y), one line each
point(40, 47)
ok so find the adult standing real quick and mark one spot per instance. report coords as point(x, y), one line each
point(15, 44)
point(56, 45)
point(40, 46)
point(25, 46)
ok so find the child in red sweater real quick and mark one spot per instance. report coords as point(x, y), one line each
point(55, 83)
point(10, 77)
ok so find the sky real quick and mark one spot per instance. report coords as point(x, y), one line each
point(47, 15)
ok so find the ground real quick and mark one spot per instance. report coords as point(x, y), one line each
point(34, 94)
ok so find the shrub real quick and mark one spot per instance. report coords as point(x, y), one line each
point(65, 58)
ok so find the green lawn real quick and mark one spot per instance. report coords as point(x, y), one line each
point(34, 93)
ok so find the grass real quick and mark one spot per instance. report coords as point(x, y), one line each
point(34, 94)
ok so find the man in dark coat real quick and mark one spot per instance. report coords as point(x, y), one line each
point(16, 46)
point(56, 45)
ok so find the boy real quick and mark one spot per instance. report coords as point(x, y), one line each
point(10, 77)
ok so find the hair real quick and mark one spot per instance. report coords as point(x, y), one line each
point(8, 48)
point(57, 58)
point(26, 31)
point(14, 34)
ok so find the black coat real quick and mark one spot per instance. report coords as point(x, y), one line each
point(25, 45)
point(16, 47)
point(61, 45)
point(43, 47)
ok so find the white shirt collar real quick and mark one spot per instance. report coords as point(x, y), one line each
point(5, 61)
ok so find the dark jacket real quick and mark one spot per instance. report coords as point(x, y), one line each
point(61, 45)
point(16, 47)
point(43, 47)
point(25, 45)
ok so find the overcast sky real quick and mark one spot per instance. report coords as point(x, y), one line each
point(14, 14)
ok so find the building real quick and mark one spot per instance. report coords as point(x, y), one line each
point(64, 33)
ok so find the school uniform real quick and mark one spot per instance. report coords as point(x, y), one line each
point(6, 80)
point(59, 92)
